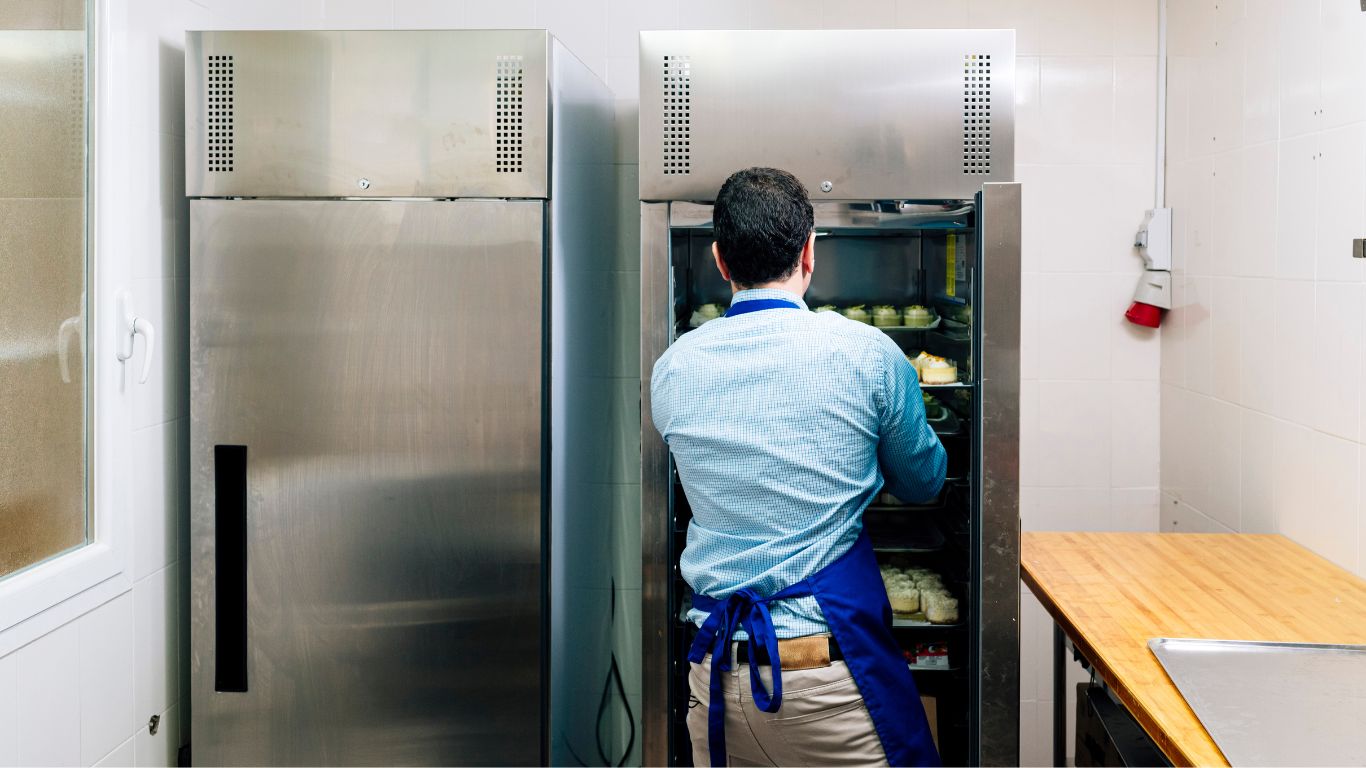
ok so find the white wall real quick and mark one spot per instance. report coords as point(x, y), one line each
point(1089, 448)
point(1262, 370)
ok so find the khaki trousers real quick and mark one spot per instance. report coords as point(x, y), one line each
point(822, 721)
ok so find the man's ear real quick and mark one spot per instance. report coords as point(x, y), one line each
point(720, 262)
point(809, 255)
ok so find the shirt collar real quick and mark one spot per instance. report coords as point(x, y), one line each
point(767, 293)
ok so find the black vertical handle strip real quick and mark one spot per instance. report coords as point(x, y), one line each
point(230, 567)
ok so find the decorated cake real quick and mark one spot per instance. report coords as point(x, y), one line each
point(857, 313)
point(886, 316)
point(916, 316)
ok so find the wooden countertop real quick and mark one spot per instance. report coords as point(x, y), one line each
point(1112, 592)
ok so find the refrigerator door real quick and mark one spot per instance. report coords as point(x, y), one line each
point(366, 469)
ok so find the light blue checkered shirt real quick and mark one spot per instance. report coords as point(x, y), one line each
point(784, 425)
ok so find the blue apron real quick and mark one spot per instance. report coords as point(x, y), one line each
point(854, 601)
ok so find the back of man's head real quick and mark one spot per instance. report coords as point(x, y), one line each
point(762, 220)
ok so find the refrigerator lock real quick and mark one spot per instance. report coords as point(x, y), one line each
point(363, 183)
point(827, 186)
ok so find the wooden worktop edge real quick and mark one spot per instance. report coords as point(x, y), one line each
point(1174, 753)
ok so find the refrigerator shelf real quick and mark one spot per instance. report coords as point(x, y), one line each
point(920, 623)
point(946, 387)
point(909, 328)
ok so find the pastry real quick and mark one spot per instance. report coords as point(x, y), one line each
point(916, 316)
point(939, 607)
point(826, 308)
point(857, 313)
point(886, 316)
point(705, 314)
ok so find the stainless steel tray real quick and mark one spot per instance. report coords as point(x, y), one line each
point(1273, 703)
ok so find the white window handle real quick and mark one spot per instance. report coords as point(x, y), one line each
point(72, 326)
point(134, 326)
point(69, 327)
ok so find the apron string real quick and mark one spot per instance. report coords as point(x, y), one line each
point(748, 609)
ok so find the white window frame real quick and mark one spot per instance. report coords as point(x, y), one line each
point(41, 598)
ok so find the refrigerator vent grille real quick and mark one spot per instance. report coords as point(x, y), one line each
point(508, 133)
point(677, 115)
point(977, 114)
point(220, 128)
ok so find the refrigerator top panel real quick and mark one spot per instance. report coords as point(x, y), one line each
point(367, 114)
point(855, 114)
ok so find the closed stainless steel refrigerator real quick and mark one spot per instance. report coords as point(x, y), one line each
point(395, 307)
point(905, 141)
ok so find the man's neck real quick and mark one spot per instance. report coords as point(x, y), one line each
point(792, 285)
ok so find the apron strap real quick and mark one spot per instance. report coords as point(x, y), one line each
point(754, 305)
point(744, 608)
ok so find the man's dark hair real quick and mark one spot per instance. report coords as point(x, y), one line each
point(762, 218)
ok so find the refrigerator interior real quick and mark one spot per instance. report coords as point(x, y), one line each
point(876, 254)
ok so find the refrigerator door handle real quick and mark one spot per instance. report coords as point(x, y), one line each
point(230, 568)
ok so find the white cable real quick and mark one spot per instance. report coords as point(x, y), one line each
point(1161, 159)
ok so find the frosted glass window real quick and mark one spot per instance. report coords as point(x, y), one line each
point(43, 388)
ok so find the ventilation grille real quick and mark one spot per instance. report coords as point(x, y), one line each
point(220, 113)
point(977, 114)
point(508, 132)
point(677, 115)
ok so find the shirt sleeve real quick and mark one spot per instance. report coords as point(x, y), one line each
point(912, 459)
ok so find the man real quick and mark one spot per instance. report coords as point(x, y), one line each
point(784, 425)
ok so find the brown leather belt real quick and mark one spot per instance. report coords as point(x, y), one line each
point(810, 652)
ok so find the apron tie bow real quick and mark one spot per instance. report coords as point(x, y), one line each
point(744, 608)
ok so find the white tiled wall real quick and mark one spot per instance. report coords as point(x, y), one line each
point(1262, 365)
point(1089, 459)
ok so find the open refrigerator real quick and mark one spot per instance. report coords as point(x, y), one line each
point(904, 139)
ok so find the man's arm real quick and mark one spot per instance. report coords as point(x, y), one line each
point(913, 460)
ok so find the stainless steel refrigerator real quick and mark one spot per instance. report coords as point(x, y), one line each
point(397, 332)
point(905, 141)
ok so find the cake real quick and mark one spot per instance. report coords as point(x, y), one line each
point(916, 316)
point(939, 372)
point(939, 607)
point(857, 313)
point(904, 599)
point(934, 369)
point(706, 313)
point(826, 308)
point(886, 316)
point(931, 582)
